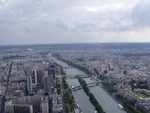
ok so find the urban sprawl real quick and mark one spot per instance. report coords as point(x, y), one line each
point(32, 82)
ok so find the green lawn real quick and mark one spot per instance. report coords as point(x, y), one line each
point(142, 96)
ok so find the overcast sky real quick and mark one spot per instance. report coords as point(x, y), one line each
point(73, 21)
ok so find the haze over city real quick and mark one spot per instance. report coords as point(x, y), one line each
point(73, 21)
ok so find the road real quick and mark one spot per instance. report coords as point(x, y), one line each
point(4, 97)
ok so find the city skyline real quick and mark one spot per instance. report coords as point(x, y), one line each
point(59, 21)
point(56, 78)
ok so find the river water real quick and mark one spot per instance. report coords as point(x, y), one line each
point(108, 104)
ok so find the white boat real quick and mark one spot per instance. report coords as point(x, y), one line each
point(120, 106)
point(72, 87)
point(77, 103)
point(95, 112)
point(77, 110)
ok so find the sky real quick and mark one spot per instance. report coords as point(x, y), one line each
point(74, 21)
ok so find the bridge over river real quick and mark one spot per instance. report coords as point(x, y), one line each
point(76, 76)
point(93, 84)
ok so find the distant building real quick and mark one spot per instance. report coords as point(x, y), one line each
point(112, 78)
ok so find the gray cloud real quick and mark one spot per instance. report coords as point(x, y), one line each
point(141, 13)
point(60, 21)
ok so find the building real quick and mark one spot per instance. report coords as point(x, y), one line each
point(34, 100)
point(29, 84)
point(52, 70)
point(46, 81)
point(18, 108)
point(44, 107)
point(57, 104)
point(37, 76)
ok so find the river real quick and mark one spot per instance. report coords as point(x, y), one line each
point(105, 100)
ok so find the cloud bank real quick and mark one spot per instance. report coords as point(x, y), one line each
point(73, 21)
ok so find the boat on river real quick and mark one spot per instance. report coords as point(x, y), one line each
point(120, 106)
point(95, 112)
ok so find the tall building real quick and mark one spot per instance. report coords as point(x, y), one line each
point(52, 70)
point(40, 74)
point(18, 108)
point(23, 109)
point(9, 109)
point(34, 100)
point(35, 76)
point(46, 81)
point(52, 73)
point(46, 73)
point(57, 104)
point(29, 84)
point(44, 107)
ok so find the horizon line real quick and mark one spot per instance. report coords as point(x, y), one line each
point(34, 44)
